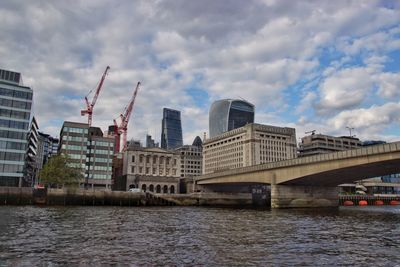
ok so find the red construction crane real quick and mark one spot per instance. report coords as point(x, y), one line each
point(123, 127)
point(90, 106)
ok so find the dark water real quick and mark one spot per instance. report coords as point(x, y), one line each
point(187, 236)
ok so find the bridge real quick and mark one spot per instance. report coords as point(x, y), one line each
point(312, 181)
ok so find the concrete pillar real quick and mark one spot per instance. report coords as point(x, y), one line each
point(295, 196)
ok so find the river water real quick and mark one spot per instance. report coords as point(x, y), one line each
point(188, 236)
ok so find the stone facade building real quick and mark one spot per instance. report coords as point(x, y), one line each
point(191, 160)
point(247, 146)
point(151, 169)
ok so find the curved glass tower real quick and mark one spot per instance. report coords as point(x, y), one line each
point(229, 114)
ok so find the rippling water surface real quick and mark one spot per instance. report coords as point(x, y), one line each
point(187, 236)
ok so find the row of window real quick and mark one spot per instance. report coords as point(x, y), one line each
point(100, 176)
point(11, 168)
point(75, 130)
point(12, 145)
point(101, 143)
point(12, 156)
point(147, 170)
point(76, 138)
point(12, 134)
point(15, 93)
point(76, 156)
point(161, 159)
point(14, 114)
point(102, 152)
point(101, 160)
point(102, 168)
point(15, 104)
point(73, 147)
point(14, 124)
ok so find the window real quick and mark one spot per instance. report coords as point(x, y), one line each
point(133, 169)
point(133, 158)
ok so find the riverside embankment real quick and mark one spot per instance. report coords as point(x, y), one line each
point(30, 196)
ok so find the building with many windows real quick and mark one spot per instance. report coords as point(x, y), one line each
point(171, 135)
point(315, 144)
point(247, 146)
point(151, 169)
point(191, 159)
point(47, 147)
point(31, 161)
point(88, 150)
point(15, 112)
point(228, 114)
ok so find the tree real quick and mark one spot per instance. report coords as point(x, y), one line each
point(57, 172)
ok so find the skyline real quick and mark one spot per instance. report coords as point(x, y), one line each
point(312, 66)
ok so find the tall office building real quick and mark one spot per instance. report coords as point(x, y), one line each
point(228, 114)
point(171, 135)
point(15, 111)
point(89, 151)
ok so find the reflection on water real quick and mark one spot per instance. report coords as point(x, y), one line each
point(199, 236)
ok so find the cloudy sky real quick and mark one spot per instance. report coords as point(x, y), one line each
point(312, 65)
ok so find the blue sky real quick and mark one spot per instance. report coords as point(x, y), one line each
point(312, 65)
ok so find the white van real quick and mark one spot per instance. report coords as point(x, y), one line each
point(135, 190)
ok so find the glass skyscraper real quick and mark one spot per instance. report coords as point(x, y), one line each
point(171, 132)
point(228, 114)
point(15, 112)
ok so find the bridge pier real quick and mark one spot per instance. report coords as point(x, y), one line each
point(296, 196)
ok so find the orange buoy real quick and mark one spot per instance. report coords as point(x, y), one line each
point(348, 203)
point(362, 203)
point(378, 203)
point(394, 202)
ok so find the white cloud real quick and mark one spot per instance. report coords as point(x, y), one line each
point(345, 89)
point(256, 50)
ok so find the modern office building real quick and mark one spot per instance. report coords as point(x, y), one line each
point(47, 147)
point(15, 112)
point(249, 145)
point(150, 169)
point(88, 150)
point(228, 114)
point(150, 142)
point(315, 144)
point(171, 135)
point(31, 161)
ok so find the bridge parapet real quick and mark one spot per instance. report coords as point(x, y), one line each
point(347, 154)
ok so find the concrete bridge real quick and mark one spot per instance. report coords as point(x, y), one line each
point(312, 181)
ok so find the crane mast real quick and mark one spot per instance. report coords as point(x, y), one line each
point(123, 127)
point(90, 106)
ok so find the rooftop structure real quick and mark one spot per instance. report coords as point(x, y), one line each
point(315, 144)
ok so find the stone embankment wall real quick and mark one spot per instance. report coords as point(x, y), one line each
point(29, 196)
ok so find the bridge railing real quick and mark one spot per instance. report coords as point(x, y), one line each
point(359, 152)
